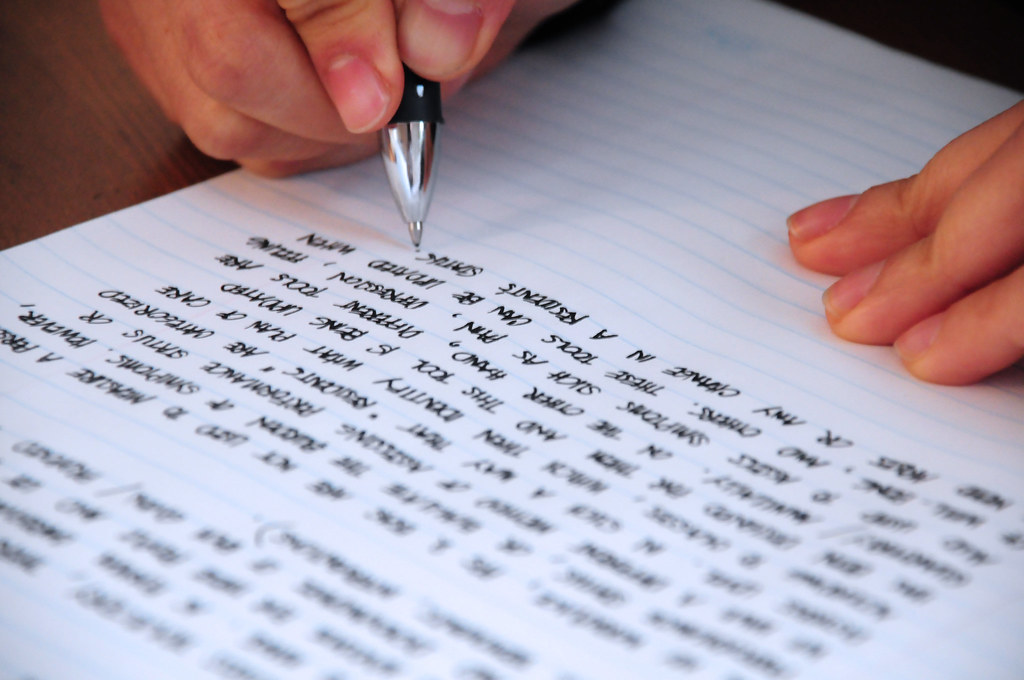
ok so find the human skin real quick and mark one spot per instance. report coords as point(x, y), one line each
point(932, 264)
point(294, 85)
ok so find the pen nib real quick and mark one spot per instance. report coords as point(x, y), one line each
point(416, 232)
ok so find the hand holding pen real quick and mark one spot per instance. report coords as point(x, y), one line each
point(304, 84)
point(933, 264)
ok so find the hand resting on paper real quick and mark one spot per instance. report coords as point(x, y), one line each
point(294, 85)
point(932, 264)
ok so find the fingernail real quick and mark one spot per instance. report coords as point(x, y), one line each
point(357, 91)
point(817, 219)
point(847, 292)
point(919, 338)
point(438, 36)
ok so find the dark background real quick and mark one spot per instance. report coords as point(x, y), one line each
point(79, 137)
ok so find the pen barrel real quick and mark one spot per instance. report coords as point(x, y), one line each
point(421, 100)
point(408, 151)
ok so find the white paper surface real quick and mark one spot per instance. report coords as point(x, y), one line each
point(595, 428)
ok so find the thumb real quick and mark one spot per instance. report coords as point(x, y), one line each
point(446, 39)
point(352, 45)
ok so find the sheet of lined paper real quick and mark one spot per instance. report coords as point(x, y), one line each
point(595, 428)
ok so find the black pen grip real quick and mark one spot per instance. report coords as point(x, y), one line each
point(421, 100)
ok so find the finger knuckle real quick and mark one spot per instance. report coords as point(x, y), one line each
point(311, 13)
point(224, 134)
point(915, 204)
point(217, 56)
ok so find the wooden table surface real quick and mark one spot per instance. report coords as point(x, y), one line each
point(79, 137)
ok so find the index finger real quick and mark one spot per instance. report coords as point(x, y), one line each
point(245, 55)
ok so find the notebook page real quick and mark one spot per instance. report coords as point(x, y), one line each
point(595, 428)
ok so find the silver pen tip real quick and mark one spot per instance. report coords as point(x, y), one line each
point(416, 233)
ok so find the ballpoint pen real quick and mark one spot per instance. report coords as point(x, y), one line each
point(409, 145)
